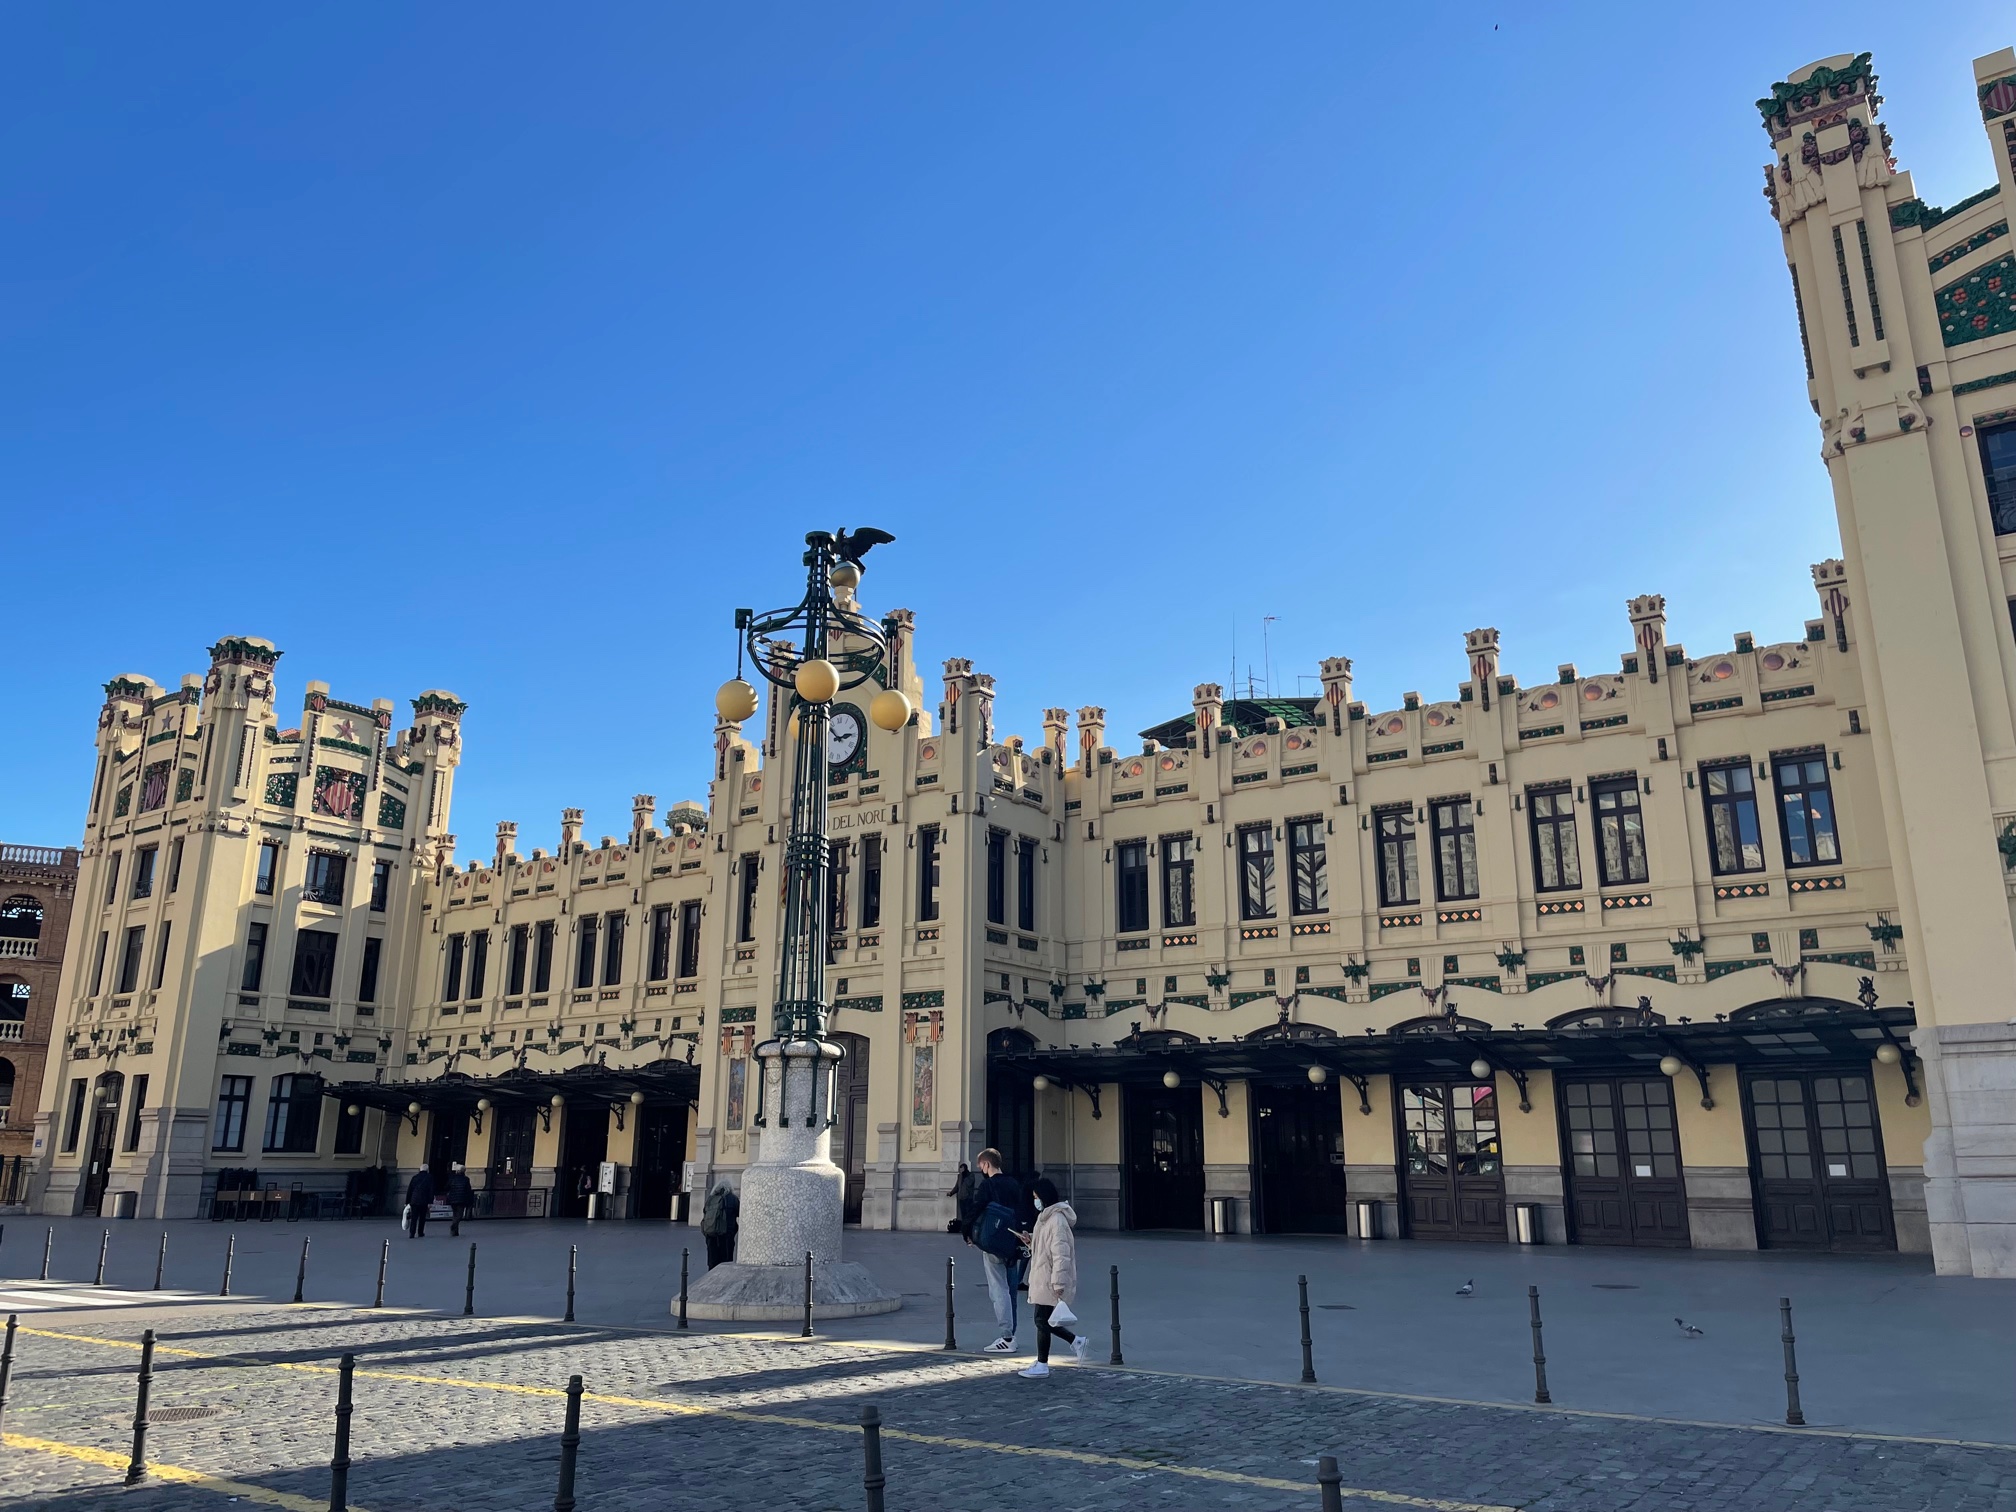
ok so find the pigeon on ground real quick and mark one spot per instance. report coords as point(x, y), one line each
point(1688, 1329)
point(1466, 1289)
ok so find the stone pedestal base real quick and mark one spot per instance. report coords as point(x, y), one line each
point(1970, 1160)
point(736, 1293)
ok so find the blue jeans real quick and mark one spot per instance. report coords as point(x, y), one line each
point(1001, 1292)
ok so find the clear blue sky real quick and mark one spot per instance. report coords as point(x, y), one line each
point(507, 349)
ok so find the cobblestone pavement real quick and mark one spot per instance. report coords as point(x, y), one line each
point(456, 1413)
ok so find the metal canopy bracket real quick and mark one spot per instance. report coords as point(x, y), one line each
point(1221, 1087)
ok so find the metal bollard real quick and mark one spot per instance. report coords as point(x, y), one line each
point(384, 1258)
point(1115, 1359)
point(339, 1463)
point(1539, 1354)
point(230, 1254)
point(1331, 1483)
point(872, 1479)
point(469, 1287)
point(301, 1273)
point(1793, 1416)
point(685, 1260)
point(570, 1446)
point(573, 1256)
point(806, 1332)
point(161, 1260)
point(7, 1364)
point(136, 1468)
point(1308, 1357)
point(48, 1244)
point(951, 1332)
point(104, 1244)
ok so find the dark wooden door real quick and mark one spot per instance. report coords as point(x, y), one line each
point(1816, 1153)
point(1623, 1162)
point(1299, 1136)
point(584, 1145)
point(1452, 1167)
point(1011, 1103)
point(447, 1146)
point(1165, 1157)
point(104, 1131)
point(511, 1161)
point(659, 1162)
point(850, 1109)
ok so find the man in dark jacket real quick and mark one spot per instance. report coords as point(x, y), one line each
point(997, 1189)
point(419, 1197)
point(461, 1198)
point(718, 1221)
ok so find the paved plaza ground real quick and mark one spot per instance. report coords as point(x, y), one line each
point(1905, 1377)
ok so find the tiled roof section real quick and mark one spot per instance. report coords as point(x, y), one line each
point(1241, 716)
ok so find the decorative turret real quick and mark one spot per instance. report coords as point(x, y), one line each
point(1830, 581)
point(1207, 708)
point(1481, 646)
point(642, 808)
point(434, 745)
point(1091, 735)
point(958, 681)
point(1648, 631)
point(237, 709)
point(1055, 723)
point(570, 830)
point(507, 842)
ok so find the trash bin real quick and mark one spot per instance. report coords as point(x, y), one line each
point(681, 1204)
point(1368, 1220)
point(1221, 1215)
point(1526, 1221)
point(125, 1204)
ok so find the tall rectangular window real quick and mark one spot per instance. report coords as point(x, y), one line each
point(612, 949)
point(1025, 883)
point(129, 958)
point(515, 952)
point(381, 885)
point(73, 1115)
point(326, 876)
point(1735, 841)
point(1998, 472)
point(1454, 824)
point(1620, 832)
point(269, 869)
point(293, 1115)
point(839, 856)
point(143, 870)
point(542, 956)
point(1179, 881)
point(98, 962)
point(174, 867)
point(689, 938)
point(479, 962)
point(112, 877)
point(660, 964)
point(871, 881)
point(349, 1130)
point(1805, 810)
point(255, 957)
point(1309, 887)
point(997, 876)
point(234, 1099)
point(745, 907)
point(133, 1113)
point(367, 978)
point(1399, 867)
point(1130, 886)
point(927, 873)
point(314, 963)
point(1557, 855)
point(1256, 872)
point(584, 951)
point(161, 954)
point(451, 974)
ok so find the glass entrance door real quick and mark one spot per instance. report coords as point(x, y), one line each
point(1817, 1162)
point(1452, 1167)
point(1623, 1162)
point(850, 1108)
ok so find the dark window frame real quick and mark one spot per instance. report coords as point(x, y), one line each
point(144, 859)
point(381, 885)
point(1555, 829)
point(161, 943)
point(1398, 856)
point(266, 877)
point(327, 879)
point(1996, 447)
point(587, 935)
point(1025, 883)
point(614, 927)
point(1130, 886)
point(659, 964)
point(1740, 796)
point(689, 938)
point(349, 1129)
point(1452, 828)
point(133, 1112)
point(928, 873)
point(745, 909)
point(1796, 777)
point(542, 955)
point(293, 1115)
point(367, 971)
point(254, 971)
point(451, 971)
point(313, 971)
point(1308, 879)
point(1635, 863)
point(73, 1114)
point(997, 876)
point(479, 963)
point(132, 953)
point(1255, 852)
point(1179, 881)
point(234, 1106)
point(839, 878)
point(871, 881)
point(517, 952)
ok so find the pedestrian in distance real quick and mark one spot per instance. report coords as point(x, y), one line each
point(992, 1232)
point(461, 1198)
point(719, 1219)
point(419, 1197)
point(1053, 1275)
point(962, 1199)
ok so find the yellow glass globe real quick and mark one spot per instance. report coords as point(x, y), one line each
point(736, 701)
point(890, 710)
point(817, 681)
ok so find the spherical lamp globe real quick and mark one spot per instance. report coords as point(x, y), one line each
point(736, 701)
point(817, 681)
point(890, 710)
point(1318, 1075)
point(1171, 1080)
point(1670, 1065)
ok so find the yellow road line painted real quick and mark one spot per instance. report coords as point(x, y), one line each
point(817, 1425)
point(242, 1490)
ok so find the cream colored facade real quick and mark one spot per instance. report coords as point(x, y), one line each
point(1666, 891)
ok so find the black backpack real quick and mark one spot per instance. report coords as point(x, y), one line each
point(995, 1232)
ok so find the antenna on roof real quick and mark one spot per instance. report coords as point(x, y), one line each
point(1267, 652)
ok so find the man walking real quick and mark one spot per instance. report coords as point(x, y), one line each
point(419, 1198)
point(996, 1209)
point(718, 1222)
point(461, 1199)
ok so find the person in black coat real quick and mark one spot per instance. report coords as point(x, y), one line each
point(461, 1198)
point(419, 1197)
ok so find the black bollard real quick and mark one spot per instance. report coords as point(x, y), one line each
point(1308, 1357)
point(48, 1244)
point(570, 1446)
point(339, 1463)
point(951, 1334)
point(1793, 1416)
point(161, 1260)
point(1115, 1359)
point(136, 1468)
point(230, 1254)
point(573, 1255)
point(1539, 1354)
point(104, 1244)
point(1331, 1483)
point(301, 1272)
point(384, 1259)
point(469, 1287)
point(806, 1332)
point(685, 1260)
point(6, 1364)
point(872, 1479)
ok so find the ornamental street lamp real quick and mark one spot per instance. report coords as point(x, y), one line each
point(792, 1192)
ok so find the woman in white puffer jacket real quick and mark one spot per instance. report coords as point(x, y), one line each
point(1053, 1273)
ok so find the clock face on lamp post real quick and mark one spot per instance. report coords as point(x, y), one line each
point(845, 732)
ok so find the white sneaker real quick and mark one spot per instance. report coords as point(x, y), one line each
point(999, 1346)
point(1080, 1347)
point(1035, 1372)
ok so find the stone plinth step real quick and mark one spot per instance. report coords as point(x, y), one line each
point(735, 1293)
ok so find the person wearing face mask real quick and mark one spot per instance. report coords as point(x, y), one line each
point(1053, 1274)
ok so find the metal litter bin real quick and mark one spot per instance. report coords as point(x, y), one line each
point(1526, 1222)
point(124, 1204)
point(1368, 1220)
point(1222, 1221)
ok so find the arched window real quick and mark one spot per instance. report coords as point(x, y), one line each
point(20, 925)
point(6, 1088)
point(13, 1004)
